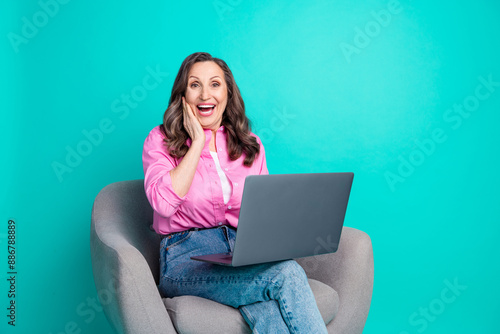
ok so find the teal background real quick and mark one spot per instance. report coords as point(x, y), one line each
point(357, 113)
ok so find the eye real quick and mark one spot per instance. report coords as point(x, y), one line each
point(216, 84)
point(194, 84)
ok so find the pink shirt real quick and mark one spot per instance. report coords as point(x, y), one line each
point(203, 206)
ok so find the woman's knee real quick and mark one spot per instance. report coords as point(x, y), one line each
point(291, 271)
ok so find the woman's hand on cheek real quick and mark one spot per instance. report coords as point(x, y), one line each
point(191, 123)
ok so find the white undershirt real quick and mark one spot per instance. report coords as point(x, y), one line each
point(226, 187)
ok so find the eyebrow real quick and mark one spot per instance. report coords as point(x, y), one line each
point(216, 76)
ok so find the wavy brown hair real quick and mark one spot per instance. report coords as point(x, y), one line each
point(236, 123)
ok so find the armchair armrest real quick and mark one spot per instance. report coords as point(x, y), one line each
point(350, 272)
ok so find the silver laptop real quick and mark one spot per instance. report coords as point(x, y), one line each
point(287, 216)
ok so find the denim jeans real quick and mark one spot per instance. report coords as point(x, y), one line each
point(272, 297)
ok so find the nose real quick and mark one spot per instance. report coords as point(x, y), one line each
point(204, 94)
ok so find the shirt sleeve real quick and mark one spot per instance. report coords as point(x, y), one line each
point(157, 164)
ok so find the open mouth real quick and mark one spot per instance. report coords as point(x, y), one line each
point(205, 109)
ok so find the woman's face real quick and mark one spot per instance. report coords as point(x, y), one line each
point(206, 93)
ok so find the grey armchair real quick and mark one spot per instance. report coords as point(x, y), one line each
point(125, 263)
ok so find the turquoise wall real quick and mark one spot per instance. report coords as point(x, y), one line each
point(404, 94)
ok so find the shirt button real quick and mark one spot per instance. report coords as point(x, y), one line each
point(226, 169)
point(220, 149)
point(220, 223)
point(236, 184)
point(229, 207)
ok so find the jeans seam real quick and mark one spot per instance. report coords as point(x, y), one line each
point(162, 258)
point(283, 301)
point(188, 235)
point(248, 316)
point(218, 279)
point(226, 236)
point(291, 321)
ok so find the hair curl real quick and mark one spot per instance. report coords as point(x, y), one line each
point(236, 124)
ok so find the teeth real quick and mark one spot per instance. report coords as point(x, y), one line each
point(206, 105)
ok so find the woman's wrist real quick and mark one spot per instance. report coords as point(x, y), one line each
point(198, 143)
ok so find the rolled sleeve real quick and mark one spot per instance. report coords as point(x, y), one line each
point(157, 165)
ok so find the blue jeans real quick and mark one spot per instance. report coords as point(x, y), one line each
point(272, 297)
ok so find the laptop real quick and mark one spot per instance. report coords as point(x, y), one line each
point(287, 216)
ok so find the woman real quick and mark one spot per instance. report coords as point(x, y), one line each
point(195, 165)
